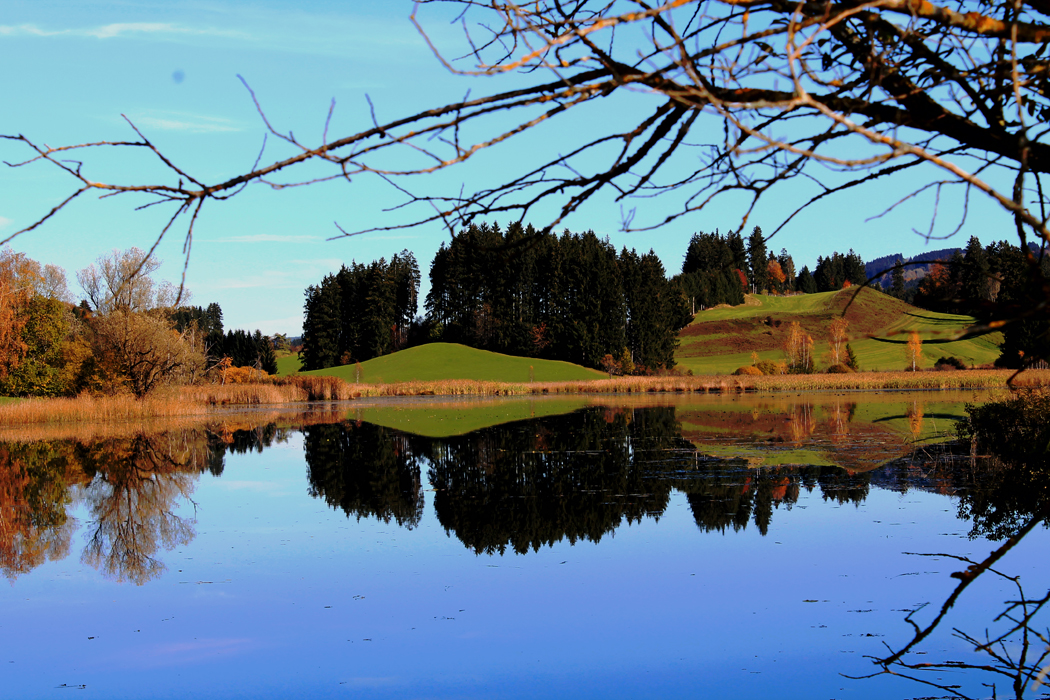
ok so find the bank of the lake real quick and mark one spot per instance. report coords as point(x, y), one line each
point(202, 400)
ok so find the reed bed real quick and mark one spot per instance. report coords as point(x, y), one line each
point(97, 408)
point(204, 400)
point(970, 379)
point(225, 422)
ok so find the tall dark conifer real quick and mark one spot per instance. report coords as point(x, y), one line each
point(757, 260)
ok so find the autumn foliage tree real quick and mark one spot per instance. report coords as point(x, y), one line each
point(16, 290)
point(134, 343)
point(914, 349)
point(837, 338)
point(799, 349)
point(775, 274)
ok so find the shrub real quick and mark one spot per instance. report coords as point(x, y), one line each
point(948, 364)
point(749, 370)
point(770, 367)
point(840, 369)
point(851, 359)
point(1014, 430)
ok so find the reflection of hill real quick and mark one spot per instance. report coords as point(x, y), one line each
point(857, 436)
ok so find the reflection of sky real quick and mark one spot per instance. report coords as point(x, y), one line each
point(280, 596)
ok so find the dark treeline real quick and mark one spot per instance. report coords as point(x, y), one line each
point(566, 298)
point(713, 270)
point(517, 291)
point(361, 312)
point(988, 281)
point(720, 269)
point(243, 348)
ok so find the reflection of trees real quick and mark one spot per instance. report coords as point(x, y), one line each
point(1006, 496)
point(34, 495)
point(365, 470)
point(131, 487)
point(225, 438)
point(533, 483)
point(730, 495)
point(137, 485)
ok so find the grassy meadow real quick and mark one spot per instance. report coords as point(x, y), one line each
point(449, 361)
point(720, 340)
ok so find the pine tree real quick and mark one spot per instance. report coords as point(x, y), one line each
point(757, 260)
point(805, 282)
point(974, 276)
point(897, 286)
point(322, 325)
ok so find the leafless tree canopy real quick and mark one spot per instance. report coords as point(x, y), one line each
point(743, 95)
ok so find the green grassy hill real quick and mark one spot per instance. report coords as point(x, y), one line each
point(288, 364)
point(722, 339)
point(441, 361)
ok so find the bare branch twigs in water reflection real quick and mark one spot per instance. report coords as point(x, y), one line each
point(1017, 651)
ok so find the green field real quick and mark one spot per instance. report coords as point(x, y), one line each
point(718, 341)
point(288, 364)
point(449, 361)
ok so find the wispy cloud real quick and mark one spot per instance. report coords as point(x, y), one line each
point(265, 238)
point(4, 221)
point(292, 325)
point(196, 124)
point(121, 29)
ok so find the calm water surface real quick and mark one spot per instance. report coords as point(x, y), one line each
point(723, 547)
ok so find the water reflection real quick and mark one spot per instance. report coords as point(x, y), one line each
point(364, 470)
point(514, 487)
point(131, 488)
point(35, 527)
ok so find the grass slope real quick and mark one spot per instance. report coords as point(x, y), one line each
point(288, 364)
point(442, 361)
point(722, 339)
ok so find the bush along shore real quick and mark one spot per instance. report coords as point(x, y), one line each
point(208, 398)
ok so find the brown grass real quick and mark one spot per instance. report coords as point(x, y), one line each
point(205, 400)
point(224, 422)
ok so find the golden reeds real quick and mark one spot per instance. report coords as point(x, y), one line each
point(205, 399)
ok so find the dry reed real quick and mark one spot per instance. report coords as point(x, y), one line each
point(205, 399)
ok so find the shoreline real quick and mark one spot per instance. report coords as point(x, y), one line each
point(302, 395)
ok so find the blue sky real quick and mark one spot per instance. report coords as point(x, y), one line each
point(73, 68)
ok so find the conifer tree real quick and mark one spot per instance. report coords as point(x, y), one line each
point(322, 325)
point(897, 286)
point(757, 262)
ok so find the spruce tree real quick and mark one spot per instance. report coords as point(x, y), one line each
point(974, 277)
point(757, 260)
point(897, 286)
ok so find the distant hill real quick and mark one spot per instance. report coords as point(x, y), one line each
point(720, 340)
point(443, 361)
point(911, 272)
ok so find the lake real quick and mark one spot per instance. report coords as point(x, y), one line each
point(585, 547)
